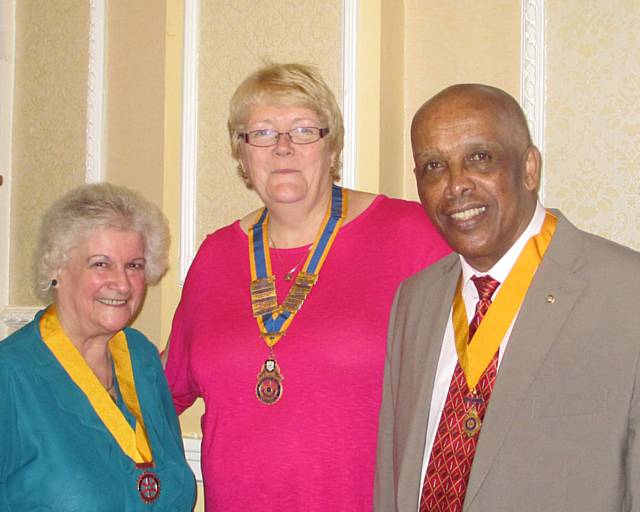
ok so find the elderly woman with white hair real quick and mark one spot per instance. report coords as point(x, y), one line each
point(85, 412)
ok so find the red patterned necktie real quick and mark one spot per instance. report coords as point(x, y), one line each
point(453, 449)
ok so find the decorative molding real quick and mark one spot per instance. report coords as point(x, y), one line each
point(15, 317)
point(532, 71)
point(189, 159)
point(7, 66)
point(95, 96)
point(192, 446)
point(349, 91)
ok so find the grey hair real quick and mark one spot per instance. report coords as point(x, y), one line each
point(73, 218)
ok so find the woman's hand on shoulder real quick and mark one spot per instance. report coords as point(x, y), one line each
point(164, 355)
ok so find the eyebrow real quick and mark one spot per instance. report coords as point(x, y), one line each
point(428, 152)
point(293, 121)
point(468, 145)
point(97, 256)
point(89, 258)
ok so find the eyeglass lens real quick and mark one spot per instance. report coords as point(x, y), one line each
point(300, 135)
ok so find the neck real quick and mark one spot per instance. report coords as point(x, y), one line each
point(98, 357)
point(295, 225)
point(94, 350)
point(73, 329)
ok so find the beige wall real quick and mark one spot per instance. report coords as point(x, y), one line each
point(393, 122)
point(457, 42)
point(408, 51)
point(50, 118)
point(48, 122)
point(134, 115)
point(592, 168)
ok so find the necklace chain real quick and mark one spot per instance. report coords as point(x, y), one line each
point(289, 275)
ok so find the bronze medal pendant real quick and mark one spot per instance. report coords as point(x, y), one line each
point(148, 487)
point(269, 387)
point(471, 422)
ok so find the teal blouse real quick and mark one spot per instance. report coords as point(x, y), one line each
point(56, 454)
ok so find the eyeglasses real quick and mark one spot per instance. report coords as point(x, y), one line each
point(269, 137)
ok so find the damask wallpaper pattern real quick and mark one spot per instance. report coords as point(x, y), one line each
point(235, 39)
point(49, 121)
point(592, 111)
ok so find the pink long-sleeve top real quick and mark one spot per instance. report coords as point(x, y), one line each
point(314, 450)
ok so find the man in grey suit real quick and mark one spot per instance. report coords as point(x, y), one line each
point(535, 404)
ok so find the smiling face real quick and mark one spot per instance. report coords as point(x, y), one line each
point(102, 286)
point(286, 172)
point(476, 172)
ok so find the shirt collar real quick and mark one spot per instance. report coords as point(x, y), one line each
point(501, 269)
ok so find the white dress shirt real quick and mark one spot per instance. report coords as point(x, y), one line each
point(448, 355)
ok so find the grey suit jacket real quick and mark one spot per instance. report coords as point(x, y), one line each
point(561, 430)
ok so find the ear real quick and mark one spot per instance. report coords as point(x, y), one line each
point(532, 167)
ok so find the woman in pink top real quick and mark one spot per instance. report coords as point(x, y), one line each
point(282, 323)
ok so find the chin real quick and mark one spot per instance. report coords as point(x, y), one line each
point(288, 193)
point(113, 325)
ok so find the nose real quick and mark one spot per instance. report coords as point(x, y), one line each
point(459, 182)
point(120, 281)
point(284, 146)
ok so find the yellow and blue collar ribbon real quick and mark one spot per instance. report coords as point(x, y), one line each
point(274, 324)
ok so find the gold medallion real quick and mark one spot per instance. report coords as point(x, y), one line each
point(471, 423)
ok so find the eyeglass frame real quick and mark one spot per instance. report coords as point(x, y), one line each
point(323, 132)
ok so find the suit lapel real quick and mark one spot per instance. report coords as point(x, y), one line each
point(420, 360)
point(547, 305)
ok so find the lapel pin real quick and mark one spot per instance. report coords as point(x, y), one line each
point(550, 299)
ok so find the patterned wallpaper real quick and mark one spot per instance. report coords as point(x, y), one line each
point(232, 45)
point(49, 121)
point(592, 126)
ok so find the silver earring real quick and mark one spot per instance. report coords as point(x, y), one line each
point(51, 284)
point(243, 174)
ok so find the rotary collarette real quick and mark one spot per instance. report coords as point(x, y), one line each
point(274, 319)
point(135, 444)
point(474, 357)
